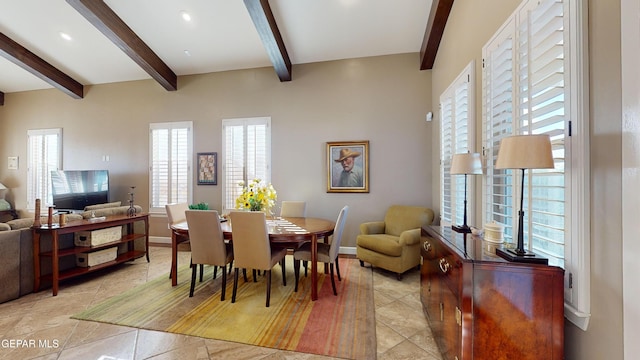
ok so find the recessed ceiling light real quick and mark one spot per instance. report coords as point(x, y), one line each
point(65, 36)
point(186, 52)
point(185, 16)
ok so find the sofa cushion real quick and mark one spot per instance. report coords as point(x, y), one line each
point(103, 206)
point(23, 223)
point(381, 243)
point(4, 227)
point(120, 210)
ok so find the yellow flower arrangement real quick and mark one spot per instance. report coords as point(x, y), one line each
point(256, 196)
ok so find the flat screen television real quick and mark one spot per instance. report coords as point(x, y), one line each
point(75, 189)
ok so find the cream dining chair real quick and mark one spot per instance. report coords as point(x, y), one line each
point(327, 253)
point(175, 215)
point(207, 245)
point(293, 209)
point(252, 249)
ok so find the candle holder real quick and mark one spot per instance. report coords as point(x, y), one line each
point(132, 210)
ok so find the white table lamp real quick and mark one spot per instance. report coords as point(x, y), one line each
point(4, 205)
point(465, 164)
point(524, 152)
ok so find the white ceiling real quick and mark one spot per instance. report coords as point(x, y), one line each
point(221, 35)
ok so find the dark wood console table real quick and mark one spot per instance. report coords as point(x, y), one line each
point(52, 233)
point(480, 306)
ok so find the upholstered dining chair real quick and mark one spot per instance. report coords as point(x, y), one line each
point(207, 245)
point(176, 213)
point(393, 244)
point(327, 253)
point(252, 249)
point(293, 209)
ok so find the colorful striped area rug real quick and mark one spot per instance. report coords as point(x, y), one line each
point(340, 326)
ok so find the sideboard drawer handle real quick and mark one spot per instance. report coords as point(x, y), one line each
point(444, 265)
point(427, 246)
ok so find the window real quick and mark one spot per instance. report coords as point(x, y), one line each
point(534, 83)
point(456, 136)
point(44, 154)
point(246, 155)
point(170, 153)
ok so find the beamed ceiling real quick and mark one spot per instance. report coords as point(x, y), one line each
point(123, 40)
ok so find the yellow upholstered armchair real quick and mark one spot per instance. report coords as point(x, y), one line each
point(393, 244)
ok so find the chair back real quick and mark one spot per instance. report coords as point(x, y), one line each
point(293, 209)
point(337, 233)
point(400, 218)
point(176, 212)
point(205, 236)
point(250, 238)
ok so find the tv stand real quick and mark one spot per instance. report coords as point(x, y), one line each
point(126, 249)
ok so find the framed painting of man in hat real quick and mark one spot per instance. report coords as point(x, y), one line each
point(348, 166)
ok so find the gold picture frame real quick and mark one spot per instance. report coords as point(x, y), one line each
point(207, 168)
point(348, 166)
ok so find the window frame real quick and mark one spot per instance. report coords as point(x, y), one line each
point(576, 150)
point(32, 192)
point(188, 125)
point(230, 188)
point(449, 145)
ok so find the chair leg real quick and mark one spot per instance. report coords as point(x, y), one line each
point(230, 266)
point(244, 273)
point(201, 271)
point(305, 263)
point(268, 274)
point(296, 273)
point(284, 273)
point(361, 263)
point(215, 271)
point(333, 281)
point(224, 283)
point(193, 279)
point(255, 278)
point(338, 268)
point(235, 285)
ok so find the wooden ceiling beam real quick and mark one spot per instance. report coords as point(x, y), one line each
point(109, 23)
point(31, 62)
point(265, 23)
point(438, 17)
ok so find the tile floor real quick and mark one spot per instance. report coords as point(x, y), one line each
point(38, 326)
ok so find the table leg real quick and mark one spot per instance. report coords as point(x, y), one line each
point(146, 238)
point(36, 261)
point(314, 267)
point(326, 265)
point(54, 262)
point(174, 258)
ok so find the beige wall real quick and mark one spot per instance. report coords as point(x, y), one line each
point(470, 26)
point(382, 99)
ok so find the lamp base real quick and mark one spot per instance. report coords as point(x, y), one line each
point(511, 255)
point(461, 228)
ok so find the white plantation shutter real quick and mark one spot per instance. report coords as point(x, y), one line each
point(498, 84)
point(44, 154)
point(170, 174)
point(246, 155)
point(534, 82)
point(456, 136)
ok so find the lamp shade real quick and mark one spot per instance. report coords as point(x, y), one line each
point(2, 187)
point(467, 163)
point(525, 152)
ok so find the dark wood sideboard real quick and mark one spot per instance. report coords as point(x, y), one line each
point(480, 306)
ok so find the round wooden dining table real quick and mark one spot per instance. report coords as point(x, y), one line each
point(285, 231)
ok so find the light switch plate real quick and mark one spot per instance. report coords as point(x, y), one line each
point(12, 163)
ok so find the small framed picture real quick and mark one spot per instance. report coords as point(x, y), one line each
point(208, 168)
point(348, 166)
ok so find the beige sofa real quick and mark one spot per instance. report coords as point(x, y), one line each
point(16, 249)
